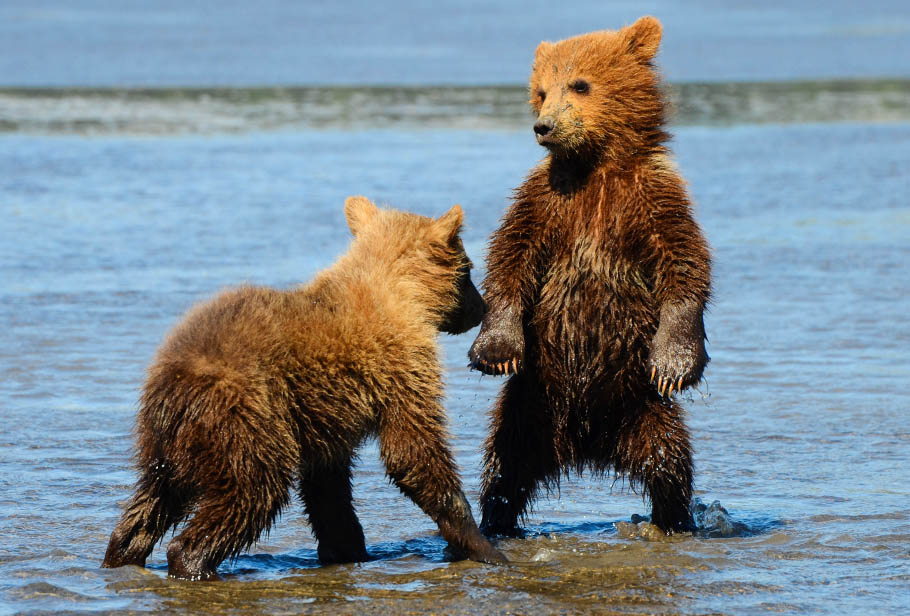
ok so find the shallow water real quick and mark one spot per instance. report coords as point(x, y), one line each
point(800, 432)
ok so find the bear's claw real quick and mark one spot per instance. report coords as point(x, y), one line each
point(678, 355)
point(499, 345)
point(666, 385)
point(504, 368)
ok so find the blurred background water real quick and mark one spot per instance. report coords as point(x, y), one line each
point(228, 42)
point(152, 154)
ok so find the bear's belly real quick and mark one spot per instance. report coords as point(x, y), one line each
point(592, 331)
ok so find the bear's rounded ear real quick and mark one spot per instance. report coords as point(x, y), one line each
point(449, 224)
point(542, 49)
point(643, 37)
point(359, 211)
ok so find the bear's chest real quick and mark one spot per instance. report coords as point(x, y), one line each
point(592, 245)
point(586, 274)
point(595, 290)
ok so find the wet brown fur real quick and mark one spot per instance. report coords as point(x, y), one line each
point(597, 279)
point(261, 389)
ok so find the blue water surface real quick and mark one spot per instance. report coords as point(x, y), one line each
point(178, 43)
point(800, 430)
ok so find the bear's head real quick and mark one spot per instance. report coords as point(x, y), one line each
point(425, 256)
point(598, 94)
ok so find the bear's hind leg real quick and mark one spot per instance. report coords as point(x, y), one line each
point(228, 519)
point(243, 470)
point(653, 447)
point(519, 456)
point(153, 509)
point(327, 498)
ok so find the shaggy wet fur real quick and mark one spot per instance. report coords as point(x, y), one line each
point(597, 281)
point(259, 390)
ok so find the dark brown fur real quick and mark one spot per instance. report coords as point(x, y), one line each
point(260, 389)
point(597, 281)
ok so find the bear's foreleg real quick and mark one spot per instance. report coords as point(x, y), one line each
point(519, 456)
point(327, 498)
point(514, 270)
point(653, 448)
point(413, 447)
point(678, 357)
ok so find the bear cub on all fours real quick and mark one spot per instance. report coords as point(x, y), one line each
point(260, 390)
point(597, 282)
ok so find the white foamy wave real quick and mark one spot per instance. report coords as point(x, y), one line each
point(163, 111)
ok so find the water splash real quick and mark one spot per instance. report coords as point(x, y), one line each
point(711, 521)
point(715, 521)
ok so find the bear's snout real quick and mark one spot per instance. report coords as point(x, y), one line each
point(543, 127)
point(469, 311)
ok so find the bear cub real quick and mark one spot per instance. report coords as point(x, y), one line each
point(597, 281)
point(259, 390)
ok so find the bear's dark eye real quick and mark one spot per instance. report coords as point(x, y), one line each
point(542, 95)
point(580, 85)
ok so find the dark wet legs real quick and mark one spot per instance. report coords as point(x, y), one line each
point(153, 509)
point(519, 456)
point(417, 459)
point(653, 447)
point(327, 498)
point(226, 522)
point(244, 486)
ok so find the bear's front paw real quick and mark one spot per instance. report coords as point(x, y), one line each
point(678, 356)
point(677, 366)
point(499, 347)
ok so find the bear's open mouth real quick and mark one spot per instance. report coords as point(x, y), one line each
point(547, 140)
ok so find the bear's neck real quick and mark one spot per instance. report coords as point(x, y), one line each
point(571, 173)
point(567, 176)
point(397, 288)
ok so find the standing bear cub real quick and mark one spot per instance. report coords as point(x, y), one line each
point(260, 389)
point(597, 280)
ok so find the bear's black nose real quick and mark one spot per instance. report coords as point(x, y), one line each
point(543, 126)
